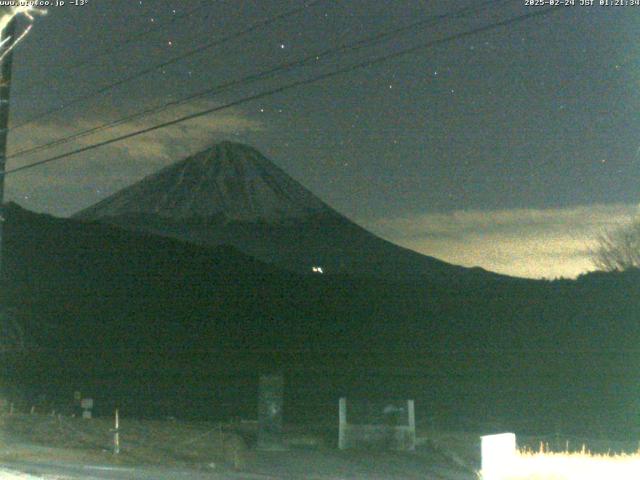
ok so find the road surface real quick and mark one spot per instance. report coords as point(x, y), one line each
point(293, 464)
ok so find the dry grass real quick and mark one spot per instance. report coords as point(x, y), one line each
point(167, 443)
point(528, 465)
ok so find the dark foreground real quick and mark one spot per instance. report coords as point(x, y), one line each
point(293, 464)
point(55, 446)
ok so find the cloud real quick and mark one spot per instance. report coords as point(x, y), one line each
point(153, 145)
point(534, 243)
point(196, 132)
point(65, 186)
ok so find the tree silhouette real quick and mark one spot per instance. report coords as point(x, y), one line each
point(618, 249)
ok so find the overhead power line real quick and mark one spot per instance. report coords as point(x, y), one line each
point(157, 26)
point(313, 58)
point(289, 86)
point(102, 90)
point(140, 35)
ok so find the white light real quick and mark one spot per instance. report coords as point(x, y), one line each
point(9, 13)
point(317, 270)
point(498, 455)
point(577, 466)
point(501, 461)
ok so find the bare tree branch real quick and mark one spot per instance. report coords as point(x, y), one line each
point(618, 249)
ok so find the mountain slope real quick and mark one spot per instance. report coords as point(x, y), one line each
point(229, 182)
point(231, 194)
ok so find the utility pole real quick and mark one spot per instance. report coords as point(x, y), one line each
point(5, 90)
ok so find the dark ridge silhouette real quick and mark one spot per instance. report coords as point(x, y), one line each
point(160, 327)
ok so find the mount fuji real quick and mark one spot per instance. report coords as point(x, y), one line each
point(230, 194)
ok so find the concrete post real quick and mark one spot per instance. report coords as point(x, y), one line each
point(270, 401)
point(116, 435)
point(411, 413)
point(342, 431)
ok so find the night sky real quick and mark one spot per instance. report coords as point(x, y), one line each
point(508, 149)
